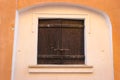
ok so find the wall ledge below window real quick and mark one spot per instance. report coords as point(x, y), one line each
point(60, 69)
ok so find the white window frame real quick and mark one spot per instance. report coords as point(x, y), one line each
point(35, 68)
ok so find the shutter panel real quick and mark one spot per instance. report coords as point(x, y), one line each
point(73, 41)
point(60, 41)
point(48, 37)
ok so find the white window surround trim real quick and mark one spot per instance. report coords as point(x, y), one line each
point(83, 68)
point(85, 17)
point(60, 69)
point(16, 29)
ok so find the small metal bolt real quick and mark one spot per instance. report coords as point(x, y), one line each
point(19, 50)
point(32, 31)
point(102, 50)
point(48, 25)
point(89, 32)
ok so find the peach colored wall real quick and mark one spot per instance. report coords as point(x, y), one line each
point(7, 16)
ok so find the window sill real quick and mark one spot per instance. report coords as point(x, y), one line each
point(60, 69)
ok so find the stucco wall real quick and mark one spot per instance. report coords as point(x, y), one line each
point(7, 16)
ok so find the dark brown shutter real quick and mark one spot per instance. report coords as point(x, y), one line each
point(60, 41)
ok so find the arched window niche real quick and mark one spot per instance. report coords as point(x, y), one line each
point(61, 20)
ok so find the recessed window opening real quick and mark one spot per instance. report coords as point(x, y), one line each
point(60, 41)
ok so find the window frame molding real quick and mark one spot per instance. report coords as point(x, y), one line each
point(36, 68)
point(84, 17)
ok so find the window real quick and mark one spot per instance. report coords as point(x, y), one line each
point(60, 41)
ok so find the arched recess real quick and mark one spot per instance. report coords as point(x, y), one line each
point(98, 43)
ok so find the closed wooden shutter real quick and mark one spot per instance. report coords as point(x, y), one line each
point(60, 41)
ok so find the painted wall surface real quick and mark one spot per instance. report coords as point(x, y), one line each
point(7, 17)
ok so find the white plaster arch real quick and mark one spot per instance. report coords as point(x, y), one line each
point(66, 5)
point(100, 12)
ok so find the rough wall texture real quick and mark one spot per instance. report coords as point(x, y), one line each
point(7, 16)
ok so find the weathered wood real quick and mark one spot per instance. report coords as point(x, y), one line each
point(60, 41)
